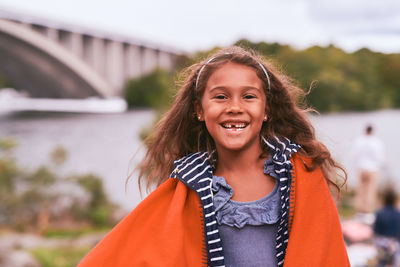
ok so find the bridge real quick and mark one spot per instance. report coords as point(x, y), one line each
point(53, 60)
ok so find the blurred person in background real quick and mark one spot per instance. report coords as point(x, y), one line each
point(387, 231)
point(368, 154)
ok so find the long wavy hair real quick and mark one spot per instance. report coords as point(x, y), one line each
point(180, 133)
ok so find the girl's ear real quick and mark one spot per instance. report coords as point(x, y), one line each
point(199, 111)
point(266, 111)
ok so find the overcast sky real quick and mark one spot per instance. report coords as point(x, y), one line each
point(191, 25)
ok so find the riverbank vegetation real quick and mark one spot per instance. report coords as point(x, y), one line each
point(42, 201)
point(336, 80)
point(57, 210)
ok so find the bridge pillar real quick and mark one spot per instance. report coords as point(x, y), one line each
point(94, 53)
point(133, 61)
point(115, 65)
point(165, 61)
point(77, 44)
point(98, 57)
point(52, 34)
point(72, 42)
point(149, 59)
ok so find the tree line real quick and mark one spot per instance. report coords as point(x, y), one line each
point(334, 79)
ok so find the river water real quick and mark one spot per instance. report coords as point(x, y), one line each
point(105, 144)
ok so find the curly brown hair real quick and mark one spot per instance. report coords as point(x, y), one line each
point(179, 133)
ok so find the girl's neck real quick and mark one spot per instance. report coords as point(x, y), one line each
point(243, 171)
point(239, 162)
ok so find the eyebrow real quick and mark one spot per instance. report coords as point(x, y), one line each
point(243, 88)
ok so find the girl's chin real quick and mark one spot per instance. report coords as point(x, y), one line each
point(236, 147)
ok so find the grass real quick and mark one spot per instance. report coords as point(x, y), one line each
point(59, 257)
point(66, 233)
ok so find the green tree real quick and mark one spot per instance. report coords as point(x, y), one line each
point(150, 90)
point(389, 69)
point(362, 80)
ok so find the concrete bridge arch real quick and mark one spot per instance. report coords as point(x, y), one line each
point(49, 59)
point(43, 68)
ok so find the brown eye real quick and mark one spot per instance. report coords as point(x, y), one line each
point(249, 96)
point(220, 97)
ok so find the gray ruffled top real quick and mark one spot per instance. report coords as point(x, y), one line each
point(238, 214)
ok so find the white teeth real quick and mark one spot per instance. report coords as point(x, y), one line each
point(236, 125)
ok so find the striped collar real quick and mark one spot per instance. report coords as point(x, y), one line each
point(196, 172)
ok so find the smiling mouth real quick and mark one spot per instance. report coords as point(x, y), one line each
point(237, 126)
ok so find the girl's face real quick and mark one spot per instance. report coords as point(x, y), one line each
point(233, 107)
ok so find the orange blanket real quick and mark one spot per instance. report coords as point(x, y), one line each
point(165, 229)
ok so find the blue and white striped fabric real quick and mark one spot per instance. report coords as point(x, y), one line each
point(283, 149)
point(196, 172)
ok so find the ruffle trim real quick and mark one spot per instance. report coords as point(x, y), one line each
point(238, 214)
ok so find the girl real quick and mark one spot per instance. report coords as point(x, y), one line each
point(248, 181)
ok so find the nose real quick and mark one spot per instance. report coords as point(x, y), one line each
point(234, 106)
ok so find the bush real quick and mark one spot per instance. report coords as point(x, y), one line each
point(34, 200)
point(149, 91)
point(99, 208)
